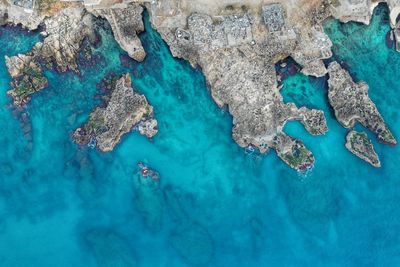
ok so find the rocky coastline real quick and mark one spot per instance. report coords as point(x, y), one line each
point(352, 104)
point(64, 34)
point(359, 144)
point(126, 23)
point(236, 46)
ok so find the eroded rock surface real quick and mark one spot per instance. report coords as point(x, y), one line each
point(27, 78)
point(236, 46)
point(59, 49)
point(126, 22)
point(352, 104)
point(359, 144)
point(238, 63)
point(124, 109)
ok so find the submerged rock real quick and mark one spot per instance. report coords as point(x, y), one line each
point(359, 144)
point(110, 249)
point(193, 243)
point(352, 104)
point(237, 53)
point(294, 153)
point(124, 109)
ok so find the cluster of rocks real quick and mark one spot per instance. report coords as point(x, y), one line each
point(352, 104)
point(124, 109)
point(188, 238)
point(359, 144)
point(126, 23)
point(64, 34)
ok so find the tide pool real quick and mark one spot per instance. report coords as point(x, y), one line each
point(215, 203)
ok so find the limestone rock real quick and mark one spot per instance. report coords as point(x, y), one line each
point(65, 33)
point(27, 78)
point(124, 109)
point(359, 144)
point(352, 104)
point(126, 22)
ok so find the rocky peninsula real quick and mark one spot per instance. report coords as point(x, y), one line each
point(126, 23)
point(352, 104)
point(235, 45)
point(64, 34)
point(124, 109)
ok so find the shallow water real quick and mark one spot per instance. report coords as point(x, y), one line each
point(215, 204)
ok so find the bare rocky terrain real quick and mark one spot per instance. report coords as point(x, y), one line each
point(359, 144)
point(352, 104)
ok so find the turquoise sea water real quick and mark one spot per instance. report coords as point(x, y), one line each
point(215, 204)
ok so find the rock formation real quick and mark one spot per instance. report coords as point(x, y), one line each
point(236, 47)
point(359, 144)
point(124, 109)
point(27, 78)
point(59, 49)
point(352, 104)
point(126, 22)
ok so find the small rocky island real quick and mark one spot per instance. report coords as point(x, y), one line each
point(124, 109)
point(359, 144)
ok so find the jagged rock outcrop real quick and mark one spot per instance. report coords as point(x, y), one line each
point(359, 144)
point(126, 23)
point(59, 49)
point(352, 104)
point(27, 78)
point(124, 109)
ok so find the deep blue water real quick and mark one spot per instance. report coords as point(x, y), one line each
point(61, 205)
